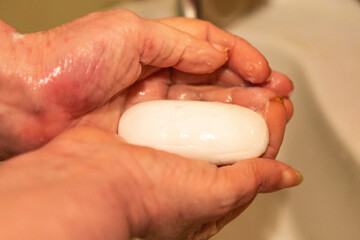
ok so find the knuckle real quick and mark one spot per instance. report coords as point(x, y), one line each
point(120, 20)
point(126, 14)
point(254, 176)
point(234, 193)
point(132, 16)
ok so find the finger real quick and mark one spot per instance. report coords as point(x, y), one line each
point(224, 76)
point(221, 77)
point(261, 100)
point(244, 59)
point(158, 86)
point(289, 109)
point(240, 182)
point(154, 87)
point(275, 116)
point(253, 98)
point(279, 83)
point(162, 46)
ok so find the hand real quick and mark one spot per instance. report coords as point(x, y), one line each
point(87, 72)
point(88, 184)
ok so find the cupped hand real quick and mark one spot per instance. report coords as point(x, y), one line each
point(85, 73)
point(89, 184)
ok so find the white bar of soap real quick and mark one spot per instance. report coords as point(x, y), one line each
point(216, 132)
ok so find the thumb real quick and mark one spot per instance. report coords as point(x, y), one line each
point(246, 178)
point(161, 45)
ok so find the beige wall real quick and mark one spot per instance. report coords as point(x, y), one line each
point(223, 12)
point(36, 15)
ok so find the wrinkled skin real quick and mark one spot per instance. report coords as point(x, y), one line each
point(88, 184)
point(86, 73)
point(81, 73)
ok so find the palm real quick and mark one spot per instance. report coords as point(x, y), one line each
point(86, 73)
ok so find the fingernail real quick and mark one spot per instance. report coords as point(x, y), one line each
point(220, 47)
point(299, 177)
point(289, 180)
point(278, 99)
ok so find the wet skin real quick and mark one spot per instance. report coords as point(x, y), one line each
point(83, 74)
point(86, 183)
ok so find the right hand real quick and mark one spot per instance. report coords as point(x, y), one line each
point(89, 184)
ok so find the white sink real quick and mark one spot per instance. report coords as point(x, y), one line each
point(317, 43)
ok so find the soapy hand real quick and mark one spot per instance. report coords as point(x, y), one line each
point(87, 72)
point(89, 184)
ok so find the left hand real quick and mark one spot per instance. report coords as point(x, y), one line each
point(87, 72)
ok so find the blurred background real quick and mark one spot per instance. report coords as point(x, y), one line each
point(316, 43)
point(38, 15)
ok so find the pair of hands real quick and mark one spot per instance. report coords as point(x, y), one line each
point(86, 182)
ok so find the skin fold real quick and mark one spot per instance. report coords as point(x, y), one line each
point(89, 184)
point(76, 72)
point(63, 92)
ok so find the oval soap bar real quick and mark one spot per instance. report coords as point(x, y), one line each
point(216, 132)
